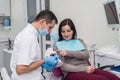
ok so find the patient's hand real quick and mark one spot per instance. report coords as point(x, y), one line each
point(62, 52)
point(90, 69)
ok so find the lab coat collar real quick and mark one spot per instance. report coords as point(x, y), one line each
point(33, 28)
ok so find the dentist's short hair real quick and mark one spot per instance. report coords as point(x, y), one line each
point(47, 15)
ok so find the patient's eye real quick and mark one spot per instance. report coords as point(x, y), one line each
point(66, 31)
point(63, 31)
point(69, 30)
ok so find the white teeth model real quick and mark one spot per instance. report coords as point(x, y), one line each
point(49, 52)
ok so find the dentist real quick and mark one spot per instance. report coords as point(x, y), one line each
point(26, 59)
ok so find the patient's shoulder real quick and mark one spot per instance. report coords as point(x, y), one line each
point(80, 39)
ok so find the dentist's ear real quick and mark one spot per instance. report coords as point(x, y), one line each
point(42, 22)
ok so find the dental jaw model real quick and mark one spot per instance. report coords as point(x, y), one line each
point(51, 52)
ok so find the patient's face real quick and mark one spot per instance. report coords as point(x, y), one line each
point(66, 32)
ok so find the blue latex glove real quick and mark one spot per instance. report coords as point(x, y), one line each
point(52, 60)
point(48, 67)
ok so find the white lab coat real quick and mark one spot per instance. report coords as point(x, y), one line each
point(26, 50)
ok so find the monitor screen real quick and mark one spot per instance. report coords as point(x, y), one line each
point(111, 13)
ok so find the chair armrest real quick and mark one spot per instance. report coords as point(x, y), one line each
point(106, 66)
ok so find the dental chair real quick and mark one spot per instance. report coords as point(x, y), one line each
point(4, 74)
point(57, 72)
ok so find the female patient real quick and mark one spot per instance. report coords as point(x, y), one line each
point(74, 55)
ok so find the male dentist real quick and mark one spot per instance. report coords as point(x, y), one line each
point(26, 59)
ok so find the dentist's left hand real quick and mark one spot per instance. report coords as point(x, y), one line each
point(52, 60)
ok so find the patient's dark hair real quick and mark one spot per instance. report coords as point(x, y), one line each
point(72, 27)
point(47, 15)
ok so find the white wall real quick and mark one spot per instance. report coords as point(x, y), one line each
point(89, 18)
point(18, 14)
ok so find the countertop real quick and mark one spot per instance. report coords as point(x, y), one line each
point(8, 51)
point(6, 39)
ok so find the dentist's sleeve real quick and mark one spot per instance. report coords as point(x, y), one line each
point(26, 51)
